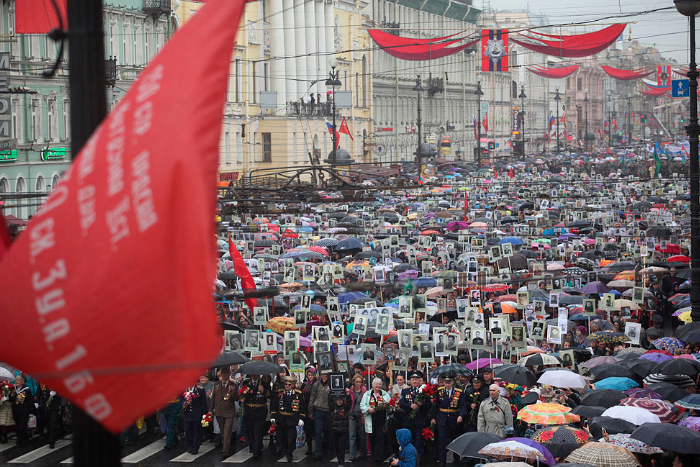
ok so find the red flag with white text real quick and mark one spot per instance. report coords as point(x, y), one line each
point(39, 16)
point(112, 280)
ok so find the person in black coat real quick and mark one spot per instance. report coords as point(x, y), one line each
point(448, 412)
point(340, 423)
point(285, 411)
point(408, 404)
point(194, 407)
point(22, 407)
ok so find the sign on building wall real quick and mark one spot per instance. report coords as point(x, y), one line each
point(7, 142)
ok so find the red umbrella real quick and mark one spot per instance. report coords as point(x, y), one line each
point(671, 249)
point(318, 249)
point(506, 298)
point(680, 258)
point(664, 410)
point(495, 288)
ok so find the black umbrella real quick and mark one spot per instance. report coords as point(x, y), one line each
point(527, 254)
point(603, 398)
point(349, 244)
point(517, 261)
point(668, 437)
point(670, 392)
point(607, 370)
point(469, 444)
point(640, 367)
point(678, 366)
point(660, 231)
point(228, 275)
point(515, 374)
point(570, 464)
point(230, 358)
point(689, 332)
point(367, 254)
point(530, 398)
point(589, 411)
point(612, 426)
point(260, 367)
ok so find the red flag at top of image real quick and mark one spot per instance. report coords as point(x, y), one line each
point(39, 16)
point(111, 283)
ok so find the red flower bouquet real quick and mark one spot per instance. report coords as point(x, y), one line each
point(206, 420)
point(425, 392)
point(273, 428)
point(429, 433)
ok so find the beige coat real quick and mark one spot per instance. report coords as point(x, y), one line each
point(493, 417)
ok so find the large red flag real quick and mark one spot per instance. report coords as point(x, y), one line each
point(241, 270)
point(112, 281)
point(5, 237)
point(345, 129)
point(38, 16)
point(485, 123)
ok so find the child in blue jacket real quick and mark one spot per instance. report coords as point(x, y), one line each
point(408, 456)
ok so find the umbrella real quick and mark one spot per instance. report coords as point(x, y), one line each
point(595, 287)
point(593, 362)
point(682, 381)
point(482, 363)
point(631, 414)
point(560, 440)
point(669, 392)
point(664, 410)
point(607, 370)
point(678, 366)
point(562, 379)
point(603, 397)
point(656, 358)
point(469, 444)
point(668, 343)
point(547, 414)
point(349, 244)
point(643, 392)
point(603, 455)
point(280, 324)
point(691, 422)
point(660, 231)
point(451, 369)
point(515, 374)
point(633, 445)
point(588, 411)
point(508, 449)
point(425, 282)
point(690, 402)
point(260, 367)
point(609, 337)
point(689, 332)
point(670, 437)
point(230, 358)
point(611, 425)
point(621, 384)
point(6, 375)
point(548, 457)
point(539, 359)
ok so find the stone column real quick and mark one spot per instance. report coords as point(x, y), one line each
point(310, 34)
point(290, 51)
point(300, 25)
point(322, 67)
point(277, 66)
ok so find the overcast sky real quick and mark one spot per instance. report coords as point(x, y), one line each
point(667, 30)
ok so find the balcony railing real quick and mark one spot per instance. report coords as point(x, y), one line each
point(308, 109)
point(156, 7)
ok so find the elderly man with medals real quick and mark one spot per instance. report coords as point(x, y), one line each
point(449, 410)
point(286, 414)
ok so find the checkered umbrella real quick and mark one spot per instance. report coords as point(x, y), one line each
point(665, 411)
point(547, 414)
point(682, 381)
point(603, 455)
point(326, 242)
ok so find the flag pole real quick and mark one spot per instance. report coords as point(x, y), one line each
point(93, 444)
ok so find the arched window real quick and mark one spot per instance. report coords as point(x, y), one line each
point(54, 181)
point(40, 185)
point(21, 187)
point(4, 185)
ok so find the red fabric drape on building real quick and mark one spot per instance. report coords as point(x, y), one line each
point(626, 75)
point(554, 72)
point(579, 45)
point(407, 48)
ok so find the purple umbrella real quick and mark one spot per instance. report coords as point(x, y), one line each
point(457, 225)
point(482, 363)
point(410, 274)
point(691, 422)
point(643, 392)
point(549, 458)
point(595, 287)
point(656, 357)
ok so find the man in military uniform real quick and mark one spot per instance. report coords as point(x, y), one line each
point(422, 409)
point(255, 394)
point(448, 412)
point(223, 407)
point(473, 397)
point(285, 410)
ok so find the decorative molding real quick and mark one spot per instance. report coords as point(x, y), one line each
point(338, 34)
point(252, 33)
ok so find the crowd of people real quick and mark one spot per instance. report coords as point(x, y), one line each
point(502, 302)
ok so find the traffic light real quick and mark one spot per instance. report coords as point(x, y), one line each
point(492, 145)
point(682, 119)
point(643, 118)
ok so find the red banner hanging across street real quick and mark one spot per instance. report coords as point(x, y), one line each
point(112, 281)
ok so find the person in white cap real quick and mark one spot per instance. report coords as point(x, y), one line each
point(494, 413)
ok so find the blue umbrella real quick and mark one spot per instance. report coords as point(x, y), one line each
point(425, 282)
point(512, 240)
point(616, 382)
point(350, 296)
point(314, 308)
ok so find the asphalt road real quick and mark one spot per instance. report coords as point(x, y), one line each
point(150, 452)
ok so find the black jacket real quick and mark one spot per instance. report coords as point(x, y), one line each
point(340, 414)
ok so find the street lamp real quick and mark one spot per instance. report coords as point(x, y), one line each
point(630, 122)
point(418, 88)
point(557, 98)
point(478, 93)
point(522, 97)
point(333, 81)
point(691, 8)
point(585, 137)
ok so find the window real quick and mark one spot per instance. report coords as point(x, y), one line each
point(21, 187)
point(237, 84)
point(255, 83)
point(52, 113)
point(357, 89)
point(138, 43)
point(150, 41)
point(66, 119)
point(267, 147)
point(579, 84)
point(128, 41)
point(266, 77)
point(40, 185)
point(36, 120)
point(4, 185)
point(364, 81)
point(54, 181)
point(17, 124)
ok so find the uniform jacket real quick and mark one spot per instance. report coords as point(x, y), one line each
point(223, 400)
point(423, 415)
point(286, 408)
point(494, 416)
point(449, 407)
point(252, 397)
point(197, 408)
